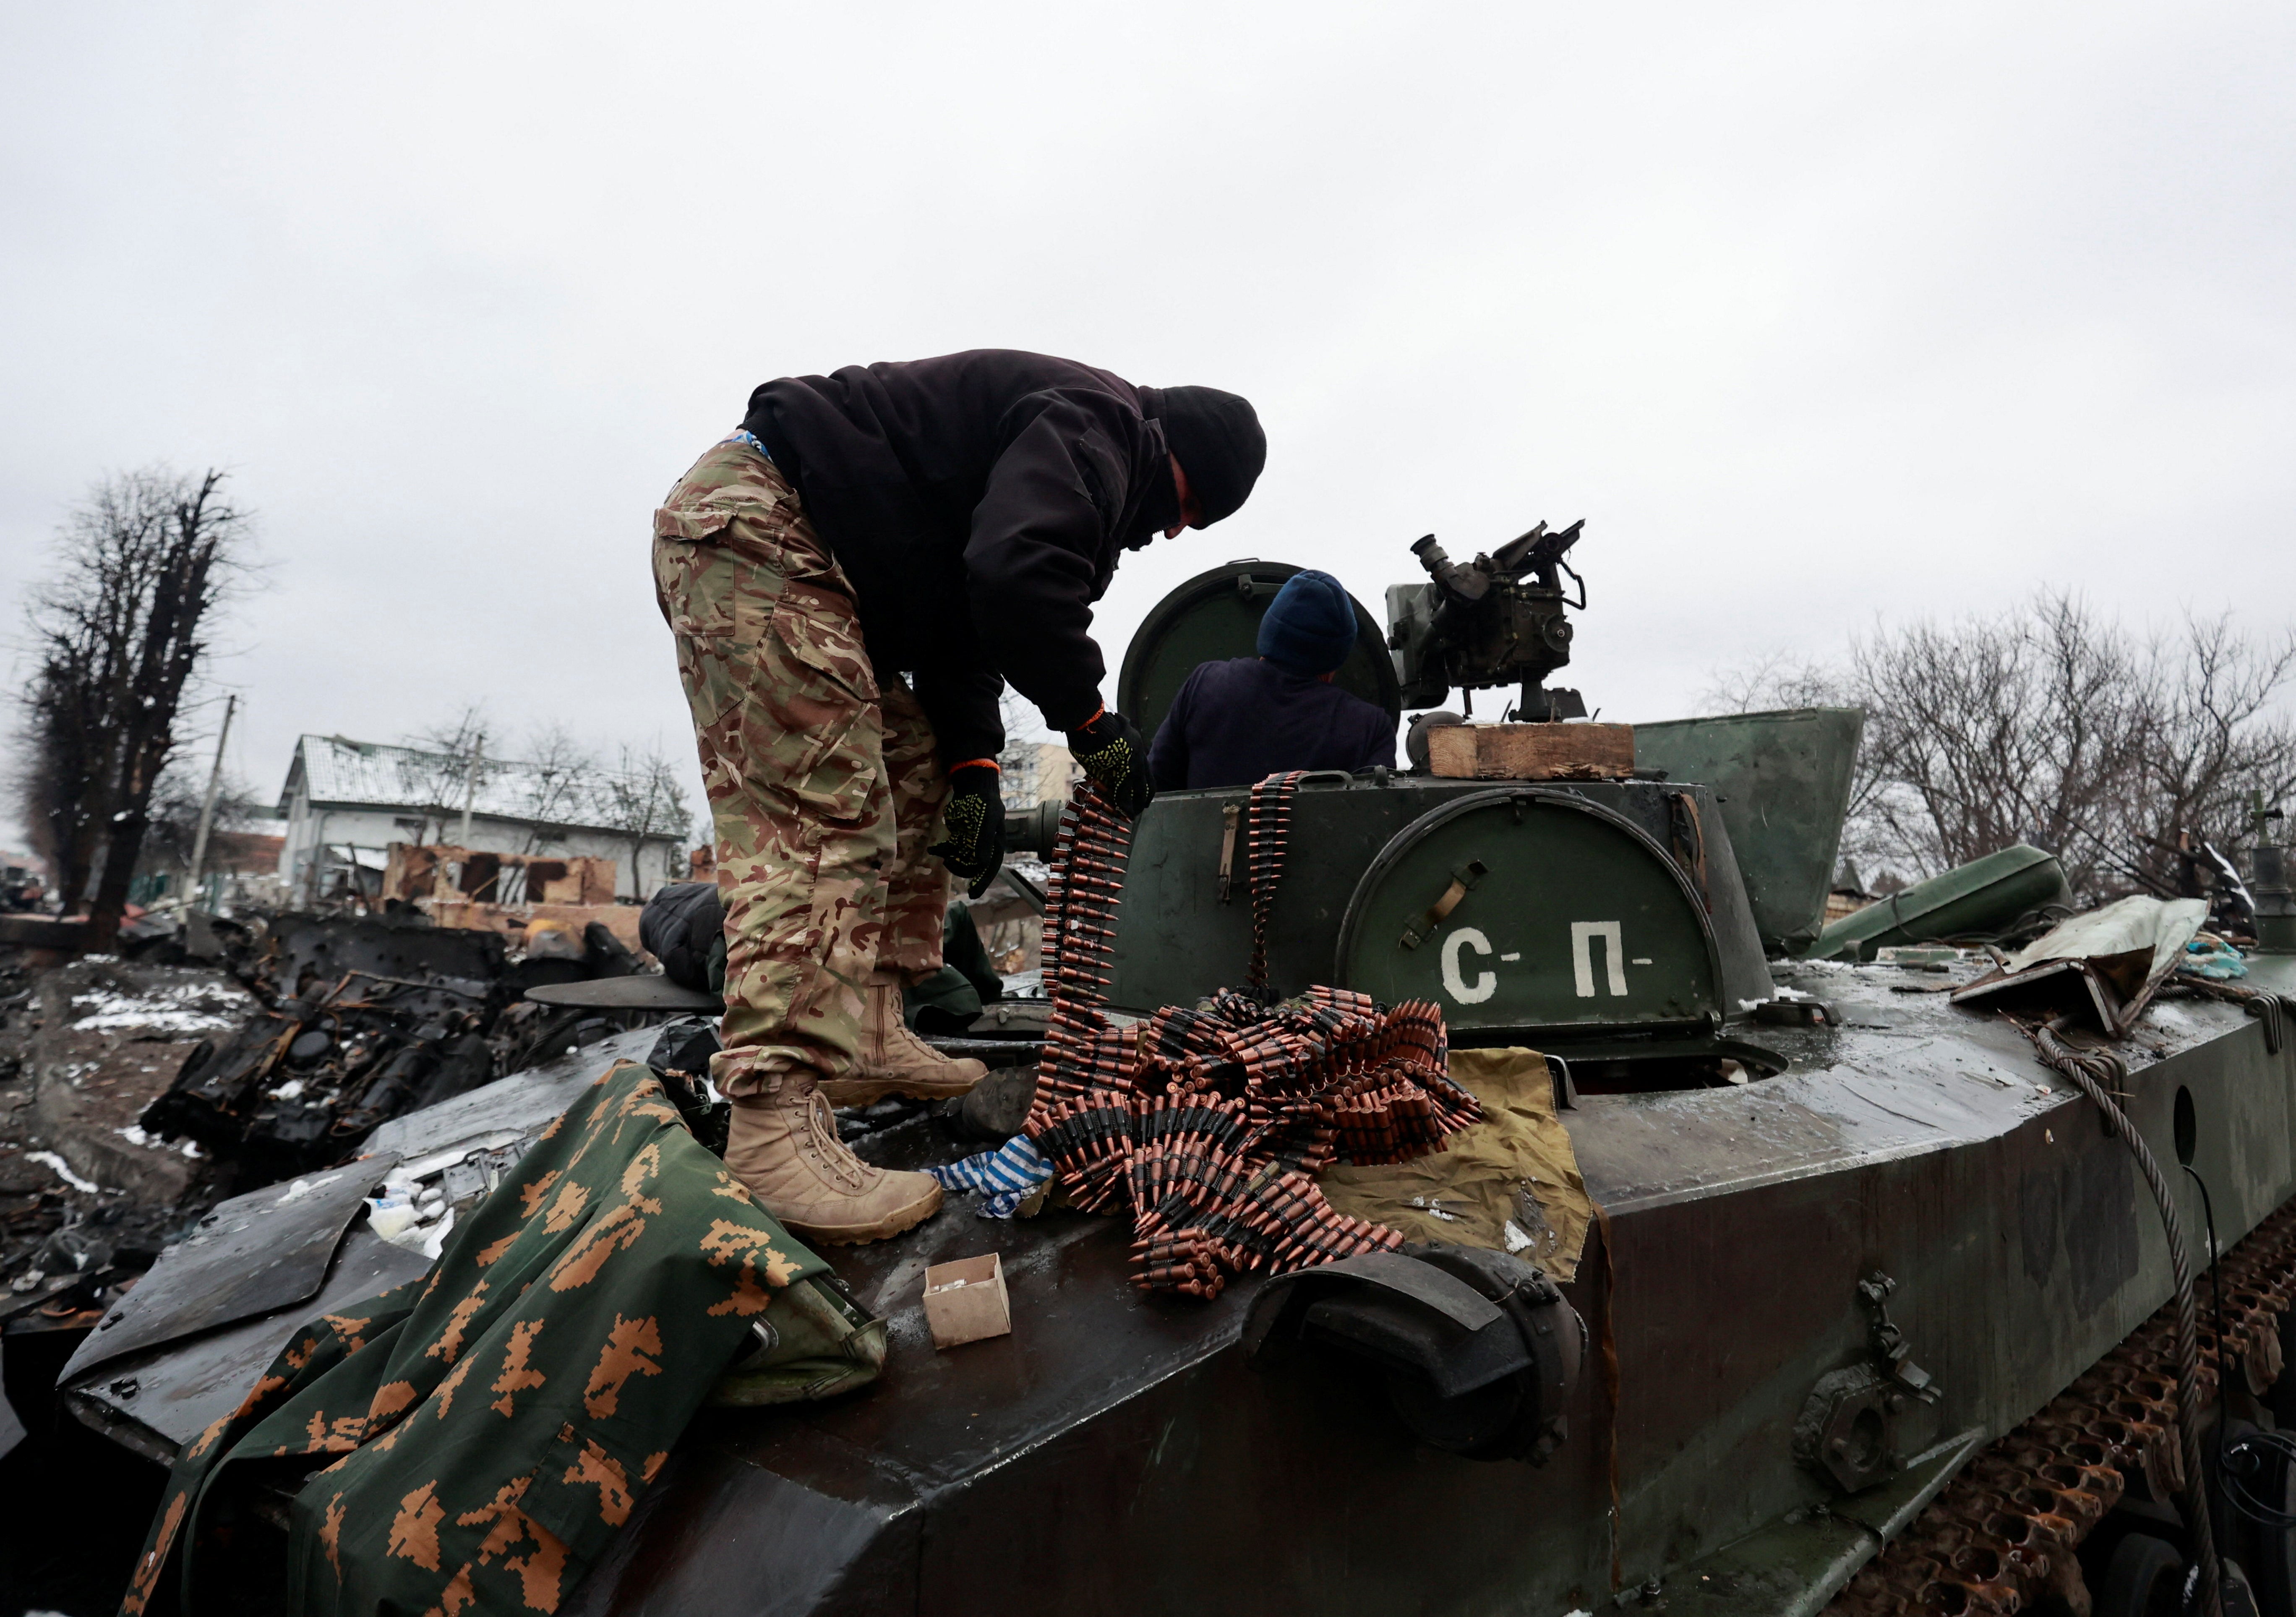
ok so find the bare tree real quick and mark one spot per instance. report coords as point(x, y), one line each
point(119, 632)
point(1995, 731)
point(558, 783)
point(175, 813)
point(436, 771)
point(642, 798)
point(2213, 743)
point(2122, 754)
point(1775, 680)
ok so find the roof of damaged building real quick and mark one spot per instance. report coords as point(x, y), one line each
point(337, 772)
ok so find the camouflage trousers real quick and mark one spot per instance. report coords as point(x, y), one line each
point(824, 786)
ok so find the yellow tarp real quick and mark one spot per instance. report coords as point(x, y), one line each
point(1517, 1169)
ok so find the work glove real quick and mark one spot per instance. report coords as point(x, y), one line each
point(974, 822)
point(1110, 750)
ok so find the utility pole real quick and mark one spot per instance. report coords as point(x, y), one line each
point(470, 785)
point(208, 805)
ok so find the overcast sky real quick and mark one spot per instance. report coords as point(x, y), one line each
point(1815, 312)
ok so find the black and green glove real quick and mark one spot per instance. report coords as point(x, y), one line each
point(1108, 749)
point(973, 821)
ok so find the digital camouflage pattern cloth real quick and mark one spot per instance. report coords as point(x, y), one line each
point(823, 784)
point(474, 1440)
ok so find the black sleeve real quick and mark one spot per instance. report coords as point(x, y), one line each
point(1167, 754)
point(960, 699)
point(1032, 561)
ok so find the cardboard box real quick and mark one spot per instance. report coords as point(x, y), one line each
point(1532, 752)
point(965, 1301)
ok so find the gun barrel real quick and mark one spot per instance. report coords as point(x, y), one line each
point(1546, 552)
point(1559, 542)
point(1509, 557)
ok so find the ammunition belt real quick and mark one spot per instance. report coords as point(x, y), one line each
point(1271, 829)
point(1208, 1123)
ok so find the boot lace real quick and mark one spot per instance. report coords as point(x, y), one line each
point(829, 1153)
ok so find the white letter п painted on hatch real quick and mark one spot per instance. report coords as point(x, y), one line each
point(1582, 956)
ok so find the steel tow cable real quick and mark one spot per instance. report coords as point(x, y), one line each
point(2086, 1069)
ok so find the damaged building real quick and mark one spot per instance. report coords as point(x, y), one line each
point(345, 802)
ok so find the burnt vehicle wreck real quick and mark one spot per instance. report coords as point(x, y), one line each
point(1887, 1299)
point(367, 1021)
point(364, 1019)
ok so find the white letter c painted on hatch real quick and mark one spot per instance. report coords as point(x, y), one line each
point(1485, 983)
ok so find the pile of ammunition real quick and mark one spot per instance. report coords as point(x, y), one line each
point(1208, 1124)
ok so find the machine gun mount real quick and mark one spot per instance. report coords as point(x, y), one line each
point(1496, 620)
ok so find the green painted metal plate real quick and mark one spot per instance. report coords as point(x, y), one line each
point(1576, 919)
point(1784, 780)
point(1215, 616)
point(1972, 901)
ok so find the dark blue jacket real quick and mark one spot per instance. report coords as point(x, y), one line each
point(1236, 722)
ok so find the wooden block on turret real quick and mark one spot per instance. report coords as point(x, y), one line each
point(1532, 752)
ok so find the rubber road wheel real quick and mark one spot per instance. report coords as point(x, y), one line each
point(2272, 1563)
point(2146, 1578)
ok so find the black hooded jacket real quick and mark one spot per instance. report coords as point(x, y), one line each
point(978, 503)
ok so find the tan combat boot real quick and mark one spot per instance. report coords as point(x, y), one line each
point(784, 1147)
point(895, 1061)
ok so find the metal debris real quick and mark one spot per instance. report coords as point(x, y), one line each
point(368, 1020)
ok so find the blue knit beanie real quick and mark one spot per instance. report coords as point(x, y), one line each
point(1310, 627)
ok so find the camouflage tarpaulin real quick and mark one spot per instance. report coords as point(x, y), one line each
point(474, 1440)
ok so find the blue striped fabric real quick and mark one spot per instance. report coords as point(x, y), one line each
point(1007, 1174)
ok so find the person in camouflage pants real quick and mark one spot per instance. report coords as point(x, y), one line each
point(824, 791)
point(956, 518)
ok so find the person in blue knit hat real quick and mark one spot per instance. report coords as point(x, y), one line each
point(1238, 722)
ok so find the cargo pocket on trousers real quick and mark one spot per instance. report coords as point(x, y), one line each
point(704, 586)
point(788, 723)
point(818, 696)
point(584, 1489)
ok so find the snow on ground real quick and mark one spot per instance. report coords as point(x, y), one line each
point(63, 1170)
point(134, 1136)
point(189, 1007)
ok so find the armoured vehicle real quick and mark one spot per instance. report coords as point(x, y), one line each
point(1879, 1306)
